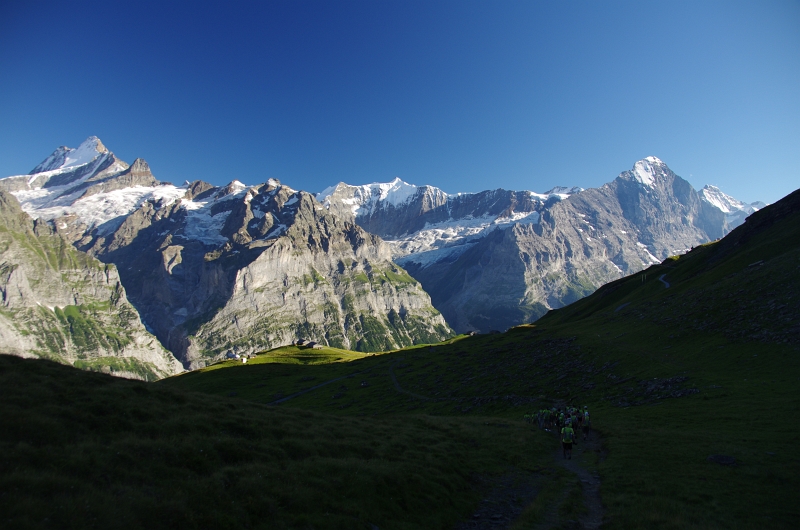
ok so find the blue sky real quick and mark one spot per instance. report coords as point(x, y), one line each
point(462, 95)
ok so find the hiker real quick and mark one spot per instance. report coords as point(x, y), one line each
point(567, 437)
point(586, 422)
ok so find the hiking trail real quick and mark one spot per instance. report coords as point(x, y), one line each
point(590, 484)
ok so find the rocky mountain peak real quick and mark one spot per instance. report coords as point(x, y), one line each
point(727, 204)
point(198, 189)
point(140, 168)
point(563, 190)
point(65, 157)
point(233, 187)
point(647, 171)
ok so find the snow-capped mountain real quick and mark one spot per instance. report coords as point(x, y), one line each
point(498, 258)
point(235, 267)
point(424, 224)
point(735, 210)
point(89, 183)
point(250, 267)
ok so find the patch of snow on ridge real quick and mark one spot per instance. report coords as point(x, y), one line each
point(561, 191)
point(368, 197)
point(430, 257)
point(325, 195)
point(448, 239)
point(727, 204)
point(94, 210)
point(204, 227)
point(650, 256)
point(84, 153)
point(644, 170)
point(276, 231)
point(396, 192)
point(519, 217)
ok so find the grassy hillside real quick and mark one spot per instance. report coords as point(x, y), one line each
point(84, 450)
point(690, 370)
point(692, 358)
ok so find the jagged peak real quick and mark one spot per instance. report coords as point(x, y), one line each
point(233, 187)
point(563, 190)
point(139, 165)
point(646, 170)
point(727, 204)
point(64, 157)
point(93, 142)
point(375, 194)
point(198, 189)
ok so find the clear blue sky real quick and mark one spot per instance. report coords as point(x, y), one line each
point(461, 95)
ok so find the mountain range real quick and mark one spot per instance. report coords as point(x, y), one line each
point(498, 258)
point(212, 269)
point(235, 268)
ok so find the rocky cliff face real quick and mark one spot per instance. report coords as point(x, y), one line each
point(238, 267)
point(499, 258)
point(61, 304)
point(271, 265)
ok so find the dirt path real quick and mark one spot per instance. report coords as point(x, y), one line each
point(590, 485)
point(506, 496)
point(662, 280)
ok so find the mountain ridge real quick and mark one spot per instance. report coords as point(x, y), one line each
point(488, 260)
point(213, 269)
point(61, 304)
point(567, 242)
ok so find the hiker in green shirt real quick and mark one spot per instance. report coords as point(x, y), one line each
point(567, 437)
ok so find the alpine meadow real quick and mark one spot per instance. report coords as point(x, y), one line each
point(399, 265)
point(333, 394)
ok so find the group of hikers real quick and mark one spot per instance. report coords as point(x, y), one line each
point(566, 422)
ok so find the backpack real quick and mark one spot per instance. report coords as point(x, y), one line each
point(567, 435)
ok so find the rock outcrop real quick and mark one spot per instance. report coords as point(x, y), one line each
point(61, 304)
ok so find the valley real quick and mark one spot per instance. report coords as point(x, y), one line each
point(689, 387)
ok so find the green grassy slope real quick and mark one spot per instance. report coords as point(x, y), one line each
point(412, 439)
point(673, 375)
point(84, 450)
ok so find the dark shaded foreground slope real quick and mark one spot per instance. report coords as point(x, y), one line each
point(691, 386)
point(84, 450)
